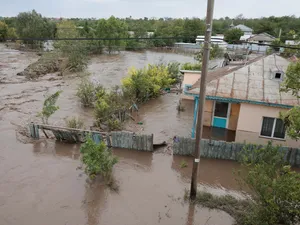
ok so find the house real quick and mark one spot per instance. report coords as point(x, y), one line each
point(216, 40)
point(243, 101)
point(292, 42)
point(262, 38)
point(245, 29)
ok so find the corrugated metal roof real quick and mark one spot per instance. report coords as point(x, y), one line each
point(251, 82)
point(243, 28)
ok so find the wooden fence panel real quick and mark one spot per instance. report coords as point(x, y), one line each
point(227, 150)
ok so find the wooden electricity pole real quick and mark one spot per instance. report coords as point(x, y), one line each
point(202, 93)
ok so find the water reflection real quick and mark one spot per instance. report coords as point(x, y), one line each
point(218, 173)
point(141, 158)
point(56, 148)
point(94, 200)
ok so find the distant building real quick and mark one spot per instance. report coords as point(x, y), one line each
point(262, 38)
point(292, 42)
point(217, 40)
point(243, 101)
point(245, 29)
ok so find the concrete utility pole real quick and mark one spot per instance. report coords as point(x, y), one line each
point(202, 93)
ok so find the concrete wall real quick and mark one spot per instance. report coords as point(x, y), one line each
point(189, 79)
point(250, 122)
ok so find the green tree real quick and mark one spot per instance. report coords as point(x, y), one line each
point(11, 33)
point(33, 25)
point(74, 50)
point(233, 36)
point(3, 31)
point(112, 28)
point(97, 158)
point(292, 84)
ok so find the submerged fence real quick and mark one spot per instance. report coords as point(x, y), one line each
point(121, 139)
point(226, 150)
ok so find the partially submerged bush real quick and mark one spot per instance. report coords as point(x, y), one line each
point(87, 92)
point(49, 107)
point(97, 158)
point(147, 83)
point(74, 122)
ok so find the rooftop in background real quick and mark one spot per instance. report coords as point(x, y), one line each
point(243, 28)
point(257, 81)
point(263, 37)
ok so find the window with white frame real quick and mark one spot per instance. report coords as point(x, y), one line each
point(272, 127)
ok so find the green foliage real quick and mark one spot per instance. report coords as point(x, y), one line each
point(215, 52)
point(112, 28)
point(183, 164)
point(108, 106)
point(292, 84)
point(12, 33)
point(97, 158)
point(74, 122)
point(274, 186)
point(75, 51)
point(233, 36)
point(291, 120)
point(49, 107)
point(292, 80)
point(147, 83)
point(87, 92)
point(191, 66)
point(33, 25)
point(3, 31)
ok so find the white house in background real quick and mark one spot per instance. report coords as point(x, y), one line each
point(217, 40)
point(245, 29)
point(292, 42)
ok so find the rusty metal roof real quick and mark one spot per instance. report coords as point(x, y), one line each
point(252, 82)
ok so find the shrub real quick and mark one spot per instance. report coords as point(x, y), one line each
point(183, 164)
point(49, 107)
point(275, 188)
point(97, 158)
point(191, 66)
point(74, 122)
point(146, 83)
point(87, 92)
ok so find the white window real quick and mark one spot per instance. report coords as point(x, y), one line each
point(272, 127)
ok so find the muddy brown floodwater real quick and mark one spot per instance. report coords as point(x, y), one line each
point(41, 183)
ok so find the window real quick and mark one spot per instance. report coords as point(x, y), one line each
point(278, 75)
point(272, 127)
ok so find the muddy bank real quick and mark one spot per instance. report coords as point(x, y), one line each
point(40, 182)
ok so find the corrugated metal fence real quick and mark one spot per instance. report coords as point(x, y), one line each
point(226, 150)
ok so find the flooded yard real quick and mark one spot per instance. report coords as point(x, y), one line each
point(41, 183)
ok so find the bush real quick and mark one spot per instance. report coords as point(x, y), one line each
point(74, 122)
point(97, 158)
point(275, 188)
point(146, 83)
point(49, 107)
point(87, 92)
point(191, 66)
point(109, 106)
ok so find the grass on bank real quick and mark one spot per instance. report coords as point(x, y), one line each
point(240, 210)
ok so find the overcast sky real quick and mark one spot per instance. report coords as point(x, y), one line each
point(150, 8)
